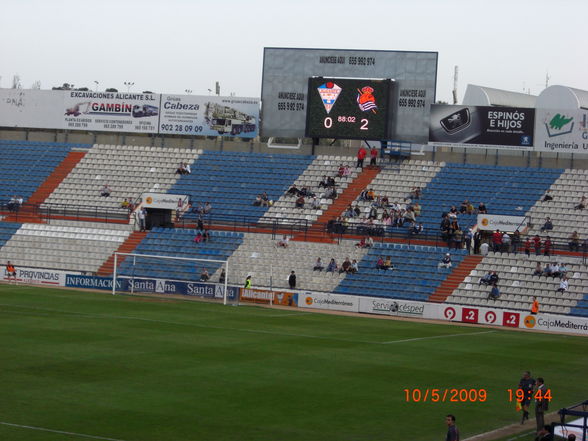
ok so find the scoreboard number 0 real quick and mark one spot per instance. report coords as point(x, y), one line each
point(328, 122)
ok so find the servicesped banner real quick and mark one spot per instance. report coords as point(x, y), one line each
point(130, 112)
point(209, 116)
point(561, 131)
point(479, 126)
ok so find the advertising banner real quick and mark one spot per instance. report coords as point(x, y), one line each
point(111, 111)
point(266, 297)
point(479, 126)
point(285, 85)
point(328, 301)
point(561, 131)
point(493, 222)
point(555, 323)
point(395, 307)
point(164, 200)
point(40, 109)
point(94, 282)
point(38, 276)
point(209, 116)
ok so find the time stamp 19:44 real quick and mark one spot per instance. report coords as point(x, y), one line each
point(463, 395)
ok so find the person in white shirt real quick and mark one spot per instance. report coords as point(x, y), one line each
point(563, 285)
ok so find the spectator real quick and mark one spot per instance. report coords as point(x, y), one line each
point(555, 270)
point(204, 276)
point(12, 203)
point(362, 243)
point(292, 280)
point(547, 196)
point(582, 204)
point(247, 284)
point(105, 191)
point(316, 204)
point(496, 241)
point(345, 266)
point(380, 263)
point(265, 200)
point(318, 265)
point(223, 276)
point(528, 247)
point(207, 208)
point(283, 242)
point(482, 208)
point(463, 208)
point(257, 201)
point(468, 236)
point(181, 170)
point(324, 183)
point(484, 249)
point(538, 270)
point(547, 246)
point(548, 225)
point(458, 239)
point(537, 244)
point(574, 243)
point(506, 242)
point(371, 195)
point(417, 229)
point(124, 203)
point(332, 266)
point(205, 235)
point(516, 241)
point(198, 237)
point(445, 262)
point(477, 241)
point(354, 267)
point(563, 271)
point(10, 271)
point(485, 279)
point(304, 191)
point(299, 202)
point(373, 156)
point(494, 292)
point(388, 264)
point(340, 171)
point(416, 192)
point(293, 191)
point(563, 285)
point(329, 193)
point(548, 270)
point(142, 215)
point(361, 154)
point(187, 168)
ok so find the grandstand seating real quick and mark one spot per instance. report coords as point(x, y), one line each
point(75, 246)
point(518, 285)
point(180, 243)
point(128, 170)
point(25, 165)
point(566, 192)
point(415, 276)
point(230, 181)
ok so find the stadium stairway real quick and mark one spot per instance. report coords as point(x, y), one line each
point(454, 279)
point(316, 230)
point(28, 213)
point(128, 246)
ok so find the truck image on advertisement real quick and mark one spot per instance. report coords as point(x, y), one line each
point(225, 119)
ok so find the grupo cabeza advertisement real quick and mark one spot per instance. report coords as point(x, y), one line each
point(479, 126)
point(111, 111)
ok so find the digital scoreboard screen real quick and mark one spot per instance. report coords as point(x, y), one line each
point(348, 108)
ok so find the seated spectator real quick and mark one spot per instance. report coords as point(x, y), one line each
point(388, 264)
point(582, 204)
point(324, 183)
point(547, 196)
point(181, 170)
point(538, 270)
point(463, 208)
point(12, 203)
point(187, 168)
point(329, 193)
point(548, 270)
point(380, 263)
point(346, 171)
point(416, 193)
point(105, 191)
point(494, 292)
point(299, 202)
point(124, 203)
point(331, 181)
point(257, 201)
point(482, 208)
point(304, 191)
point(409, 215)
point(318, 265)
point(199, 236)
point(293, 191)
point(371, 195)
point(563, 271)
point(265, 200)
point(486, 279)
point(373, 213)
point(316, 204)
point(341, 171)
point(354, 267)
point(207, 208)
point(345, 266)
point(445, 262)
point(362, 243)
point(548, 225)
point(555, 270)
point(563, 285)
point(349, 212)
point(199, 209)
point(283, 242)
point(453, 212)
point(416, 208)
point(204, 276)
point(470, 209)
point(205, 235)
point(332, 266)
point(574, 243)
point(416, 229)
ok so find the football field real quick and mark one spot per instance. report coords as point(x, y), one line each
point(83, 365)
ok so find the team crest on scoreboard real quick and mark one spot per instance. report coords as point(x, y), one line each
point(366, 99)
point(329, 93)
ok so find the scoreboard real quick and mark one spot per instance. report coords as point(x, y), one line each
point(348, 108)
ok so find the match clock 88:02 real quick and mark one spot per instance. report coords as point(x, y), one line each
point(348, 108)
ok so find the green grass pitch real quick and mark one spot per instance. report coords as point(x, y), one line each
point(136, 369)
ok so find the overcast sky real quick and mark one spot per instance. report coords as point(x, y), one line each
point(173, 45)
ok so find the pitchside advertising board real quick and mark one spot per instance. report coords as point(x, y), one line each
point(285, 86)
point(478, 126)
point(130, 112)
point(563, 131)
point(348, 108)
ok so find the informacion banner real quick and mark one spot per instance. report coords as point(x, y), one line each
point(111, 111)
point(286, 72)
point(209, 116)
point(130, 112)
point(564, 131)
point(492, 222)
point(478, 126)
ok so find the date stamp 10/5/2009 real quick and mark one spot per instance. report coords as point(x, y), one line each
point(463, 395)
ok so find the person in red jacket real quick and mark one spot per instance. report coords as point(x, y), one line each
point(361, 154)
point(537, 244)
point(373, 156)
point(547, 246)
point(497, 240)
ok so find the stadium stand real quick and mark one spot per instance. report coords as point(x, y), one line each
point(179, 242)
point(518, 285)
point(128, 170)
point(415, 277)
point(26, 165)
point(75, 246)
point(230, 181)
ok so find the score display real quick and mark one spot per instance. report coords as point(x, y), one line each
point(348, 108)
